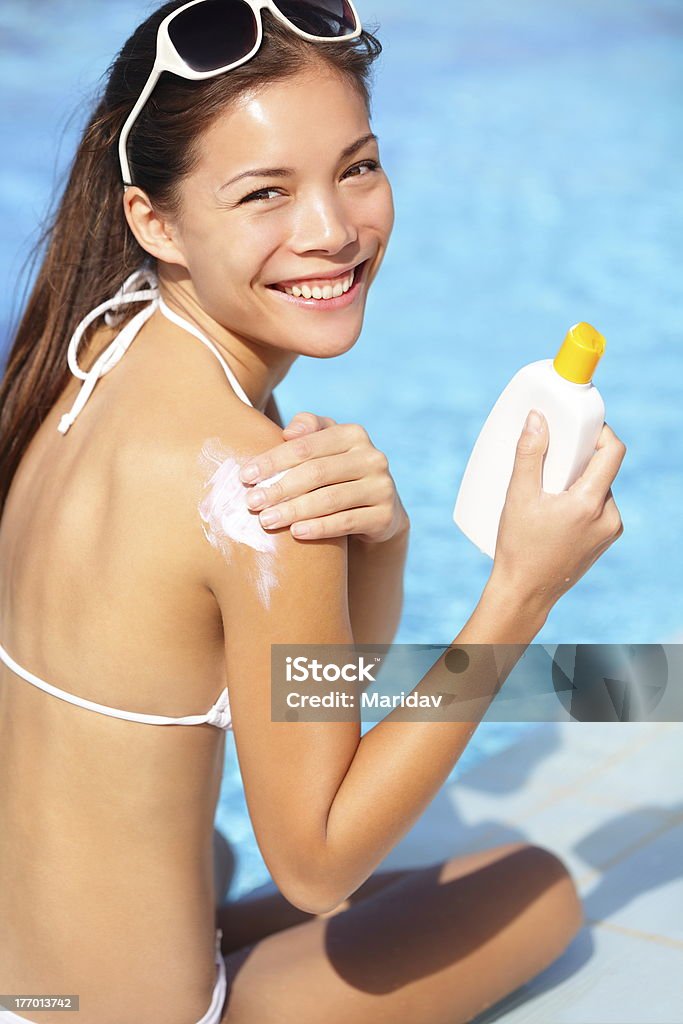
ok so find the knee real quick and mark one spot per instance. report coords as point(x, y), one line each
point(560, 888)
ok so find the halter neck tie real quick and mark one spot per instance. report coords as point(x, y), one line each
point(130, 291)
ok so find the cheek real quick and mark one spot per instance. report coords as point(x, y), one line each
point(235, 253)
point(261, 237)
point(385, 211)
point(221, 265)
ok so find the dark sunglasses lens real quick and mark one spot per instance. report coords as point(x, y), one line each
point(213, 34)
point(327, 18)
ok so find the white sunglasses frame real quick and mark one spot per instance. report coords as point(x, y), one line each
point(168, 59)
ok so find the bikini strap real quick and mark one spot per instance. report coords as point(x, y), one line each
point(130, 291)
point(181, 322)
point(218, 715)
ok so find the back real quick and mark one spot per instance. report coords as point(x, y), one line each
point(106, 868)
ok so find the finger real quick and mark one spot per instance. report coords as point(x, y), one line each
point(342, 524)
point(303, 422)
point(290, 453)
point(325, 502)
point(308, 477)
point(364, 521)
point(603, 467)
point(308, 421)
point(527, 471)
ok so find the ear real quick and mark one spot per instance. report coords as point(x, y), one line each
point(156, 233)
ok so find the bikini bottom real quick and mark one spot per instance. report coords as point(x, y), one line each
point(212, 1015)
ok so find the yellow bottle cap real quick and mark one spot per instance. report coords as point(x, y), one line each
point(579, 353)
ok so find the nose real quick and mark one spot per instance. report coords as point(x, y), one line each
point(324, 224)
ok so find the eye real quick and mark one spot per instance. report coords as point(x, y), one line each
point(257, 195)
point(261, 194)
point(372, 165)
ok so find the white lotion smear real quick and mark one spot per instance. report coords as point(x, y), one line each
point(226, 519)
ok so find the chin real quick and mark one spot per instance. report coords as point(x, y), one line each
point(327, 344)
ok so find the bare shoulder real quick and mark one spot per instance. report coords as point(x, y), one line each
point(191, 476)
point(245, 565)
point(176, 470)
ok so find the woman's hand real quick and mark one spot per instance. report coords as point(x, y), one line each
point(547, 542)
point(337, 483)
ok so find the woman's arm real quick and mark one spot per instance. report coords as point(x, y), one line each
point(375, 576)
point(375, 573)
point(399, 765)
point(326, 804)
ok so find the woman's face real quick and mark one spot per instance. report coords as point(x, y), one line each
point(323, 209)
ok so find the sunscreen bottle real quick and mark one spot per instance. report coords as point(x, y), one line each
point(560, 388)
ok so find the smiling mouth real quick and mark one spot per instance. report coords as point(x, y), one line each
point(324, 289)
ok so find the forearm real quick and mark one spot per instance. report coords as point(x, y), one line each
point(375, 585)
point(400, 765)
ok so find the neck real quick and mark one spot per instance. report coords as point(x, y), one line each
point(259, 368)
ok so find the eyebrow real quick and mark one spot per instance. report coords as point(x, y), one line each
point(285, 172)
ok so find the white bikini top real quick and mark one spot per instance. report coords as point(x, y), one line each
point(130, 291)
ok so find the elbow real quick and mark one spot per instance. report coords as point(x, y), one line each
point(315, 894)
point(312, 880)
point(317, 902)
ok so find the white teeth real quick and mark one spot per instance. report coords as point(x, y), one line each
point(327, 291)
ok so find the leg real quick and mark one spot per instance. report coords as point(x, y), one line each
point(223, 864)
point(439, 946)
point(243, 922)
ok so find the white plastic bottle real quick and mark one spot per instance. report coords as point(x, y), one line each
point(560, 388)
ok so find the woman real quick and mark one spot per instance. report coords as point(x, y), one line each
point(127, 536)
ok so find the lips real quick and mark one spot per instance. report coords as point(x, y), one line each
point(321, 305)
point(327, 278)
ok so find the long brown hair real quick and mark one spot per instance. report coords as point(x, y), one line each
point(88, 246)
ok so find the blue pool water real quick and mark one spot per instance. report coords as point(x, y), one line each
point(536, 154)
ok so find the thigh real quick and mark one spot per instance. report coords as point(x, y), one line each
point(223, 865)
point(245, 921)
point(438, 945)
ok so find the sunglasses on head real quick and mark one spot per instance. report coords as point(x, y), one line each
point(204, 38)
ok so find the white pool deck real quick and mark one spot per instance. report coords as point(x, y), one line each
point(608, 798)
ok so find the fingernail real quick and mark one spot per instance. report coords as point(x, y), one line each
point(534, 424)
point(269, 518)
point(298, 428)
point(248, 473)
point(300, 529)
point(256, 497)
